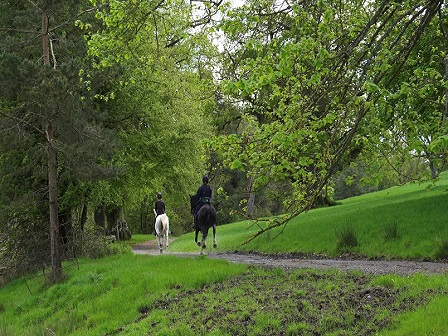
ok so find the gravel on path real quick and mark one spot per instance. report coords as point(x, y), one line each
point(376, 267)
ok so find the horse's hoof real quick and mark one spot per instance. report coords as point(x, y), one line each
point(204, 246)
point(215, 246)
point(199, 244)
point(161, 251)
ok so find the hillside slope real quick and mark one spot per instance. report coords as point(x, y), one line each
point(404, 222)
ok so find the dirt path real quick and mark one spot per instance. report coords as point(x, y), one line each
point(377, 267)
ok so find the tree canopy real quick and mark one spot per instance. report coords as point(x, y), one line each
point(102, 106)
point(105, 103)
point(314, 79)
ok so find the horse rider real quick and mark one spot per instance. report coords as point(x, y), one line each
point(159, 207)
point(203, 195)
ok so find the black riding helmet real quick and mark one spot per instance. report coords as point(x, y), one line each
point(159, 195)
point(205, 179)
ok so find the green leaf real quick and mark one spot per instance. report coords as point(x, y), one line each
point(237, 165)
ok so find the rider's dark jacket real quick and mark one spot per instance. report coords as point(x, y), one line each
point(159, 207)
point(204, 196)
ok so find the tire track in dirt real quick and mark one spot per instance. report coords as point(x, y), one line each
point(376, 267)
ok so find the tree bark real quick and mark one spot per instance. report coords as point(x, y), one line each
point(83, 220)
point(56, 259)
point(112, 217)
point(433, 168)
point(45, 40)
point(100, 217)
point(144, 210)
point(251, 199)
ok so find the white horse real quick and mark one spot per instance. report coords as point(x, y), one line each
point(162, 228)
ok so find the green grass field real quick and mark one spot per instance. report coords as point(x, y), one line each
point(407, 222)
point(129, 294)
point(102, 295)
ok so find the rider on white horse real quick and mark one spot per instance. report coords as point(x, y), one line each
point(159, 207)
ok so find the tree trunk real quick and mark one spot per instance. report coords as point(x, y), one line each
point(65, 226)
point(56, 260)
point(83, 220)
point(100, 217)
point(45, 40)
point(142, 218)
point(251, 199)
point(145, 207)
point(112, 217)
point(433, 168)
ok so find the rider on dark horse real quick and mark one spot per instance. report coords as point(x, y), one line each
point(203, 195)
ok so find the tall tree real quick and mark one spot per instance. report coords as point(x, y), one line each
point(116, 127)
point(163, 99)
point(412, 114)
point(41, 106)
point(310, 75)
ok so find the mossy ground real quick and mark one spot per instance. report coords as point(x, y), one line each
point(279, 302)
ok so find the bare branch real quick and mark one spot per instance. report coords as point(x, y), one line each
point(18, 30)
point(52, 53)
point(404, 53)
point(76, 16)
point(19, 120)
point(34, 4)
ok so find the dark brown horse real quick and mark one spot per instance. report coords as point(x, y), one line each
point(205, 220)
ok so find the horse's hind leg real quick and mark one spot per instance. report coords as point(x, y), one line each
point(204, 237)
point(202, 243)
point(196, 237)
point(159, 240)
point(214, 236)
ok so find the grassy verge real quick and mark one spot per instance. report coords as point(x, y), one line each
point(165, 295)
point(276, 302)
point(137, 238)
point(103, 295)
point(130, 294)
point(429, 316)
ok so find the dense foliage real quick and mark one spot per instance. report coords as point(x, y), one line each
point(319, 82)
point(102, 106)
point(105, 103)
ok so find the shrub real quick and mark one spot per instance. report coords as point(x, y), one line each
point(119, 248)
point(391, 231)
point(346, 238)
point(442, 251)
point(92, 244)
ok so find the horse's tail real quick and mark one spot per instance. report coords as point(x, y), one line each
point(165, 223)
